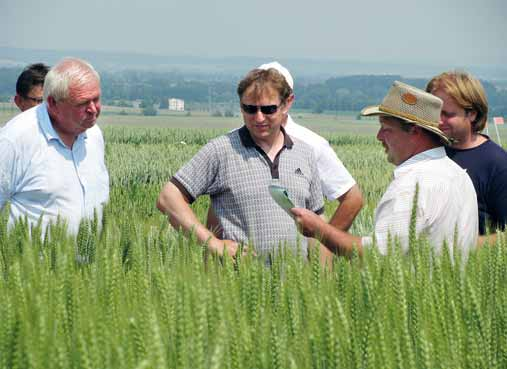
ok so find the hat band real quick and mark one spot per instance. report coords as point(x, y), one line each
point(407, 116)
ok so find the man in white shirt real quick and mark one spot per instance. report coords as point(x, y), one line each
point(53, 155)
point(446, 200)
point(336, 181)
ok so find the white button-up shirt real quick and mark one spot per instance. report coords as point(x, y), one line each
point(446, 200)
point(41, 176)
point(335, 178)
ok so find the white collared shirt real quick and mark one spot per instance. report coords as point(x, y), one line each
point(335, 178)
point(41, 176)
point(446, 200)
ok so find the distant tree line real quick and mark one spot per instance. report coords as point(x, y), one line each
point(350, 93)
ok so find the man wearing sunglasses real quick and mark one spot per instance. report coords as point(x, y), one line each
point(237, 169)
point(29, 86)
point(336, 181)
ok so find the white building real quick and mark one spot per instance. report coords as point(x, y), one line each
point(177, 104)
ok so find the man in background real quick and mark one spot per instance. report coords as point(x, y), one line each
point(29, 86)
point(53, 155)
point(464, 116)
point(446, 204)
point(336, 182)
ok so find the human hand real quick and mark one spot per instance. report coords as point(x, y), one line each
point(309, 223)
point(220, 247)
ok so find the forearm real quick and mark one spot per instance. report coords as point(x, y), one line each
point(350, 204)
point(338, 241)
point(172, 203)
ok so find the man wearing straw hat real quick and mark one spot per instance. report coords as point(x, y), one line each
point(446, 200)
point(463, 117)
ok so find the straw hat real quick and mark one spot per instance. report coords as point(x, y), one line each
point(412, 105)
point(280, 69)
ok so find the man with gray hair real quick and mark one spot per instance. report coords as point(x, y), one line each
point(53, 156)
point(446, 202)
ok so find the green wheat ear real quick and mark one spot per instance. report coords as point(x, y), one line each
point(412, 229)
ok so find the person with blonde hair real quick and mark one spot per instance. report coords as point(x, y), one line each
point(464, 115)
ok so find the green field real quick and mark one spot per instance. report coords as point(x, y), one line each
point(133, 293)
point(325, 124)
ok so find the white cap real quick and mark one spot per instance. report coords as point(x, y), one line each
point(281, 69)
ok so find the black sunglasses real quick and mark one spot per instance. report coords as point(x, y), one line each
point(265, 109)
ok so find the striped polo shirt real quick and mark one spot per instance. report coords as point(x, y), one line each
point(236, 173)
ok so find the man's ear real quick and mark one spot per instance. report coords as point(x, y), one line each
point(17, 101)
point(417, 130)
point(288, 103)
point(51, 102)
point(471, 115)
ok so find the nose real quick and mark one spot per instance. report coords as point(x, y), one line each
point(259, 116)
point(93, 107)
point(380, 134)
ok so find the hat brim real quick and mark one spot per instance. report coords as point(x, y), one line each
point(375, 110)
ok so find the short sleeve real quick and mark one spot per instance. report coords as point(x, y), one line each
point(335, 178)
point(199, 176)
point(315, 202)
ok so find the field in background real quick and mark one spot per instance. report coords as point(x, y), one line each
point(342, 123)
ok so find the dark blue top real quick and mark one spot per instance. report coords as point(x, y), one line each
point(487, 166)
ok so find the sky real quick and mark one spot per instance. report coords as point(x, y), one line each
point(453, 32)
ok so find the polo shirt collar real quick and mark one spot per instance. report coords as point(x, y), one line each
point(47, 127)
point(247, 140)
point(431, 154)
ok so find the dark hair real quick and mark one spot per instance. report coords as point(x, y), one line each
point(32, 75)
point(260, 78)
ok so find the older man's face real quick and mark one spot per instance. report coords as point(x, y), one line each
point(32, 98)
point(80, 110)
point(396, 142)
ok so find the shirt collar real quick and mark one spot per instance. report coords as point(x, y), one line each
point(47, 126)
point(431, 154)
point(247, 140)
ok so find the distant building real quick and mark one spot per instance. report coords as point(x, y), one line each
point(177, 104)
